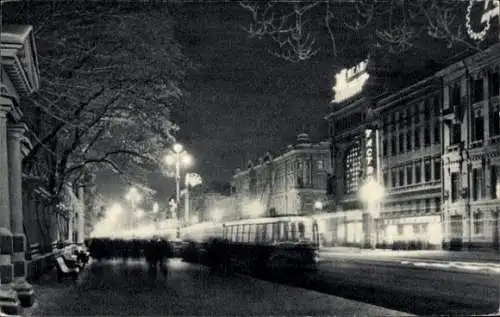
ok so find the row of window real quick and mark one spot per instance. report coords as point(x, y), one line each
point(456, 224)
point(479, 186)
point(412, 173)
point(413, 139)
point(404, 118)
point(267, 232)
point(477, 87)
point(412, 205)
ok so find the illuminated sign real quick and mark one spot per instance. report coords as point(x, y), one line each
point(491, 9)
point(349, 82)
point(370, 155)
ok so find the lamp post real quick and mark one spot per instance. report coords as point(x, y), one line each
point(178, 157)
point(192, 180)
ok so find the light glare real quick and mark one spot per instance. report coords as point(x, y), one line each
point(177, 148)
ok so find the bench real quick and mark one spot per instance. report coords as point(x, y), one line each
point(64, 271)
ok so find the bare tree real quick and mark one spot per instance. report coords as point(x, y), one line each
point(298, 30)
point(110, 77)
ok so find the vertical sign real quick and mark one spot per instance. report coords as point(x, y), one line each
point(370, 155)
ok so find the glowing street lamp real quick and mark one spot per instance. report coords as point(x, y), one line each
point(192, 180)
point(372, 193)
point(133, 197)
point(155, 208)
point(318, 205)
point(179, 157)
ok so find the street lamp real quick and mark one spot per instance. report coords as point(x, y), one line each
point(179, 157)
point(318, 205)
point(372, 193)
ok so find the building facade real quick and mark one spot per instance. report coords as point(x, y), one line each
point(471, 151)
point(410, 140)
point(292, 183)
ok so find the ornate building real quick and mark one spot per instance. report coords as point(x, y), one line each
point(471, 157)
point(19, 77)
point(291, 183)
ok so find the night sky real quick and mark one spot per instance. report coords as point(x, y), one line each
point(242, 101)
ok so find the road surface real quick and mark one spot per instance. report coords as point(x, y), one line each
point(405, 284)
point(114, 288)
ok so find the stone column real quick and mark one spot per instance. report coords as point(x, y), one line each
point(81, 216)
point(24, 289)
point(8, 297)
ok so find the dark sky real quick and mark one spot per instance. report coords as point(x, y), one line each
point(243, 102)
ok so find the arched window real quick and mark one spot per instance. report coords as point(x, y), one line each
point(352, 166)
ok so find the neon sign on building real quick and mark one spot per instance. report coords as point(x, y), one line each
point(349, 82)
point(491, 9)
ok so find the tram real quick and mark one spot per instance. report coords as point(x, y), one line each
point(272, 243)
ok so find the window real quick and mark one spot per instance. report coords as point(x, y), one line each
point(478, 126)
point(352, 164)
point(408, 141)
point(384, 147)
point(437, 201)
point(393, 144)
point(455, 186)
point(320, 165)
point(494, 84)
point(385, 176)
point(427, 171)
point(427, 135)
point(495, 185)
point(478, 223)
point(478, 183)
point(394, 178)
point(455, 94)
point(418, 172)
point(416, 114)
point(427, 206)
point(437, 169)
point(417, 137)
point(401, 177)
point(401, 143)
point(437, 133)
point(477, 92)
point(416, 228)
point(409, 175)
point(456, 133)
point(494, 121)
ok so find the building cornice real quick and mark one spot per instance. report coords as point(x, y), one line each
point(19, 57)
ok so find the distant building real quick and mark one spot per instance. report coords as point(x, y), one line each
point(290, 183)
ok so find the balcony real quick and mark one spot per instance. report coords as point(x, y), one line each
point(476, 144)
point(453, 147)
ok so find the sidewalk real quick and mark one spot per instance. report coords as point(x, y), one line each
point(117, 289)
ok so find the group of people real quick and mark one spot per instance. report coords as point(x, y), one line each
point(155, 250)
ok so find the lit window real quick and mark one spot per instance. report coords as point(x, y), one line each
point(352, 164)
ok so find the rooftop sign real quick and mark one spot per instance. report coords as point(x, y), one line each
point(349, 81)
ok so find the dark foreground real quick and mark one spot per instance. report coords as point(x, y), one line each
point(115, 288)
